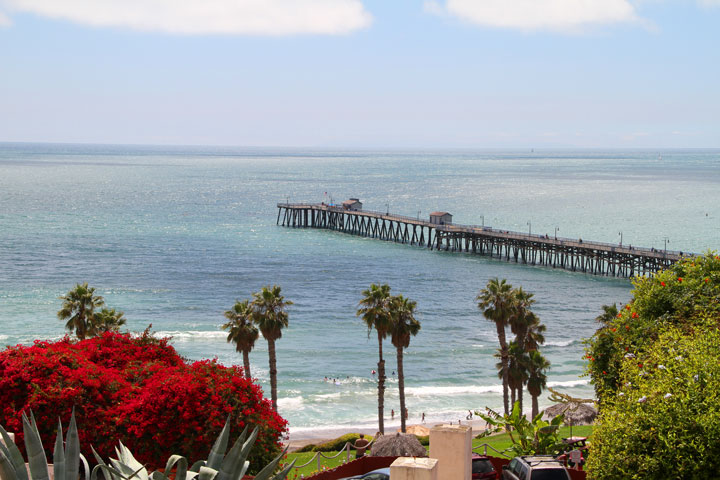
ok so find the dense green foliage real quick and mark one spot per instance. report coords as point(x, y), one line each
point(536, 437)
point(657, 377)
point(78, 309)
point(334, 445)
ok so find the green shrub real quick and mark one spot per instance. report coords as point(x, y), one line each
point(664, 421)
point(334, 445)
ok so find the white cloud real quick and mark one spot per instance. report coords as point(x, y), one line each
point(249, 17)
point(530, 15)
point(4, 20)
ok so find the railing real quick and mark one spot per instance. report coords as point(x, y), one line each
point(457, 227)
point(485, 447)
point(318, 455)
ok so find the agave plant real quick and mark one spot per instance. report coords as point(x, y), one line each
point(66, 456)
point(218, 466)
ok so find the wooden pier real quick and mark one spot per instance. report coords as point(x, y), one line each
point(575, 255)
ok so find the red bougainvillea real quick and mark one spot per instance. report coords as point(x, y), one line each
point(135, 389)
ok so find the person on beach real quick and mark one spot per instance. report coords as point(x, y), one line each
point(360, 446)
point(392, 414)
point(423, 417)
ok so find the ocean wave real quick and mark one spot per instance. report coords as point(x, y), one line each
point(192, 334)
point(569, 383)
point(566, 343)
point(291, 403)
point(455, 390)
point(3, 337)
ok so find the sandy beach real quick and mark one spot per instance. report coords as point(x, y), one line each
point(300, 439)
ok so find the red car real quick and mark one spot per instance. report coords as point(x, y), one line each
point(482, 468)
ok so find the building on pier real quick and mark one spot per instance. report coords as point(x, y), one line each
point(354, 205)
point(440, 218)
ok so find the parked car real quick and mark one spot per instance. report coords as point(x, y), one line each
point(379, 474)
point(482, 468)
point(535, 467)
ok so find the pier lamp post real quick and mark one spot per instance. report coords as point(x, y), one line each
point(387, 209)
point(667, 240)
point(557, 229)
point(419, 214)
point(620, 233)
point(482, 217)
point(529, 228)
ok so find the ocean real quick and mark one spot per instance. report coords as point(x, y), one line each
point(173, 236)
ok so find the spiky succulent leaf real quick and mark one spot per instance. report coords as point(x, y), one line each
point(37, 461)
point(232, 463)
point(59, 455)
point(182, 466)
point(110, 473)
point(207, 473)
point(72, 450)
point(13, 455)
point(196, 466)
point(217, 452)
point(269, 469)
point(6, 467)
point(248, 444)
point(284, 472)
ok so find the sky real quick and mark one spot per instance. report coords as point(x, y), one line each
point(362, 73)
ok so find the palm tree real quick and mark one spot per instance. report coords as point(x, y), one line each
point(517, 372)
point(78, 309)
point(521, 316)
point(375, 312)
point(608, 315)
point(537, 380)
point(404, 325)
point(270, 316)
point(496, 302)
point(106, 320)
point(241, 331)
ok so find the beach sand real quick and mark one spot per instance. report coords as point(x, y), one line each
point(300, 439)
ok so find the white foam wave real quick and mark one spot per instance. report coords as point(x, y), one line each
point(290, 403)
point(3, 337)
point(192, 335)
point(569, 383)
point(477, 345)
point(454, 390)
point(566, 343)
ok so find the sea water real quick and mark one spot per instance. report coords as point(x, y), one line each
point(173, 236)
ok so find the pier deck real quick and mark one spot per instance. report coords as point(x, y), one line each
point(570, 254)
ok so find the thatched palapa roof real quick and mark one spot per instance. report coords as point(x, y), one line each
point(575, 413)
point(398, 445)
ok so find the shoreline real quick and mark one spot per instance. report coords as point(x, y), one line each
point(304, 437)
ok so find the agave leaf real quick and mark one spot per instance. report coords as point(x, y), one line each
point(108, 472)
point(206, 473)
point(217, 452)
point(182, 466)
point(196, 466)
point(72, 451)
point(231, 463)
point(86, 466)
point(127, 464)
point(266, 472)
point(7, 470)
point(248, 444)
point(284, 473)
point(37, 461)
point(32, 419)
point(191, 475)
point(12, 452)
point(59, 455)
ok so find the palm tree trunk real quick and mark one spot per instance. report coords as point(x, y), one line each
point(504, 361)
point(520, 398)
point(534, 406)
point(273, 373)
point(512, 396)
point(246, 364)
point(401, 388)
point(381, 388)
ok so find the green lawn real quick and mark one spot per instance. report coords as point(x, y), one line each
point(498, 442)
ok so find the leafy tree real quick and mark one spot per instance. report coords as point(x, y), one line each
point(106, 320)
point(537, 379)
point(517, 371)
point(496, 302)
point(374, 309)
point(608, 315)
point(536, 437)
point(270, 317)
point(403, 326)
point(78, 308)
point(655, 370)
point(241, 331)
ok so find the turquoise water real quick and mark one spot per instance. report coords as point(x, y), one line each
point(172, 236)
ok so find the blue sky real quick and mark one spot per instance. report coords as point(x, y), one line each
point(370, 73)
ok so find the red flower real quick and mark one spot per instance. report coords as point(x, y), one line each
point(662, 283)
point(627, 327)
point(707, 280)
point(627, 307)
point(680, 279)
point(635, 315)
